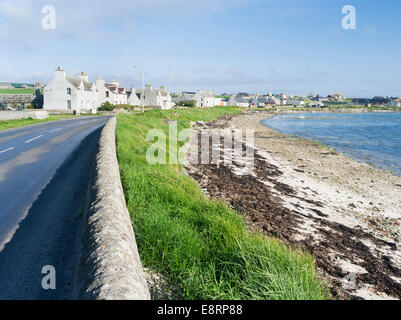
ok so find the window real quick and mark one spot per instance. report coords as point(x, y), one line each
point(69, 104)
point(107, 94)
point(68, 90)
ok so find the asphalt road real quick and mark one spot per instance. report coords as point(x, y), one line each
point(45, 173)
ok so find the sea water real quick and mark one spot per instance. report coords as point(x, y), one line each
point(373, 137)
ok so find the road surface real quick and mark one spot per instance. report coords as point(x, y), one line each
point(45, 173)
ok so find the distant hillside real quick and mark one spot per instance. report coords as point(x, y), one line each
point(4, 85)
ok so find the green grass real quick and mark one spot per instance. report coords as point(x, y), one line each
point(201, 246)
point(9, 124)
point(17, 91)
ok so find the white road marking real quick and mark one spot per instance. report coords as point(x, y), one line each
point(9, 149)
point(30, 140)
point(55, 130)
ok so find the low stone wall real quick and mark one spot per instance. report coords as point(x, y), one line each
point(111, 268)
point(15, 115)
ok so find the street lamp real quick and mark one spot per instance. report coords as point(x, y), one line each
point(143, 87)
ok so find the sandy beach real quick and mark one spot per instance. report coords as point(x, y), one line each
point(345, 213)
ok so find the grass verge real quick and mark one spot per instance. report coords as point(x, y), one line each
point(9, 124)
point(199, 245)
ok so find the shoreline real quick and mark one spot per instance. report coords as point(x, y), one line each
point(280, 110)
point(349, 155)
point(345, 213)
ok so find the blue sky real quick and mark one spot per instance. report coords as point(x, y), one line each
point(291, 46)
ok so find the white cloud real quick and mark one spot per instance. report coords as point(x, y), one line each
point(17, 11)
point(25, 78)
point(16, 21)
point(20, 20)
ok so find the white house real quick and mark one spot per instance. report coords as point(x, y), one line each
point(336, 97)
point(237, 101)
point(263, 102)
point(297, 103)
point(203, 99)
point(78, 94)
point(395, 103)
point(111, 92)
point(280, 99)
point(67, 93)
point(133, 97)
point(159, 98)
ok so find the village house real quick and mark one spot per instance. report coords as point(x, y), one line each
point(66, 93)
point(71, 94)
point(298, 103)
point(203, 99)
point(158, 98)
point(315, 104)
point(263, 102)
point(133, 97)
point(379, 100)
point(284, 98)
point(245, 96)
point(271, 99)
point(395, 103)
point(111, 92)
point(237, 101)
point(279, 100)
point(336, 97)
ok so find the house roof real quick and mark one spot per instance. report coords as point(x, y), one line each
point(155, 91)
point(76, 82)
point(207, 94)
point(162, 92)
point(113, 88)
point(265, 100)
point(201, 93)
point(241, 100)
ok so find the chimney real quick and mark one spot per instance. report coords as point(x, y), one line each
point(148, 87)
point(100, 82)
point(84, 76)
point(163, 89)
point(59, 72)
point(116, 83)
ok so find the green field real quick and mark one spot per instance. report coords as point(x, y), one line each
point(17, 91)
point(201, 246)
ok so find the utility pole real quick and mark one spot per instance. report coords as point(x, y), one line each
point(143, 87)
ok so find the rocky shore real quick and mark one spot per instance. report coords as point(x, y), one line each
point(345, 213)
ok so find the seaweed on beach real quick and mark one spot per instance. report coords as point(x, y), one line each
point(261, 204)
